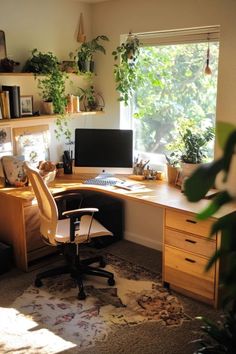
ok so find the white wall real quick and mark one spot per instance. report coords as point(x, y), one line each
point(48, 25)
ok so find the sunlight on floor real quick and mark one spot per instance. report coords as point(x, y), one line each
point(19, 332)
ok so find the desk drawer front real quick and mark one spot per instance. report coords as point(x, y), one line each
point(190, 243)
point(188, 263)
point(188, 223)
point(186, 271)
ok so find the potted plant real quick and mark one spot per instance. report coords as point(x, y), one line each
point(84, 56)
point(193, 152)
point(125, 72)
point(92, 101)
point(52, 85)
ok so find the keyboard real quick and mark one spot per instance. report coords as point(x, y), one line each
point(103, 179)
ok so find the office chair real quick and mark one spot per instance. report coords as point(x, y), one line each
point(79, 226)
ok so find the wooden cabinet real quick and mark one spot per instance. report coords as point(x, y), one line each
point(187, 250)
point(19, 222)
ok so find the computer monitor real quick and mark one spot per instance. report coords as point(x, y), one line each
point(98, 150)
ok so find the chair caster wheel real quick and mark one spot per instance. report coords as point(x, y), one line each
point(102, 264)
point(81, 295)
point(111, 281)
point(38, 283)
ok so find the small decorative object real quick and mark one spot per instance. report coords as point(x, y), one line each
point(47, 170)
point(207, 68)
point(139, 166)
point(67, 162)
point(5, 141)
point(81, 38)
point(13, 168)
point(26, 105)
point(3, 51)
point(91, 100)
point(8, 65)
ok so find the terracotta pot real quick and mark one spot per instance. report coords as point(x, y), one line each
point(47, 108)
point(188, 168)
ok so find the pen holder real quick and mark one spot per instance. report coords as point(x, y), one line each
point(68, 167)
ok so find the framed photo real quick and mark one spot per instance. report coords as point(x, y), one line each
point(32, 143)
point(26, 105)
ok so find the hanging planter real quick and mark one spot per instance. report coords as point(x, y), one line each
point(125, 72)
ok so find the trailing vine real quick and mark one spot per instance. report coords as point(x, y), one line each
point(125, 73)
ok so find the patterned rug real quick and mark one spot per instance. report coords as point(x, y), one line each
point(50, 319)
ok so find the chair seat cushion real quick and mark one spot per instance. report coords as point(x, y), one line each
point(81, 235)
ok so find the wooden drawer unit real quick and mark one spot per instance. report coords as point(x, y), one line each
point(190, 243)
point(186, 270)
point(187, 222)
point(187, 250)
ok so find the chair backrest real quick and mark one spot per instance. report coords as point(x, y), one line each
point(47, 206)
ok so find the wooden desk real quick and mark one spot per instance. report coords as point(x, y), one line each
point(186, 248)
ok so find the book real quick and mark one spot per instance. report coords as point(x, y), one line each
point(14, 98)
point(5, 104)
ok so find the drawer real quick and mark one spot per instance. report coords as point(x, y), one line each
point(190, 243)
point(188, 223)
point(186, 271)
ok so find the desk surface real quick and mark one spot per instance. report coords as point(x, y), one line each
point(156, 193)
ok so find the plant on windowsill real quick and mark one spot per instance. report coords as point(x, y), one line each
point(194, 144)
point(191, 144)
point(84, 55)
point(125, 72)
point(219, 337)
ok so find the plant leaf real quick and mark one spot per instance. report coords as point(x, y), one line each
point(219, 200)
point(223, 130)
point(199, 183)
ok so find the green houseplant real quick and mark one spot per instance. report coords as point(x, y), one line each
point(125, 72)
point(190, 143)
point(219, 337)
point(85, 53)
point(52, 88)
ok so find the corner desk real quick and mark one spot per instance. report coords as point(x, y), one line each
point(186, 248)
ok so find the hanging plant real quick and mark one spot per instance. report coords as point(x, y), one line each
point(125, 72)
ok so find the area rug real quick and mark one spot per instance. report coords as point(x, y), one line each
point(51, 319)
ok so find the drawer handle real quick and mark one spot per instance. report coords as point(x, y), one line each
point(190, 241)
point(190, 260)
point(191, 221)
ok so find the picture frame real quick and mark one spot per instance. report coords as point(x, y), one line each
point(26, 105)
point(32, 143)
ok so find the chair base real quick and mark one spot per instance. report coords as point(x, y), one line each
point(77, 269)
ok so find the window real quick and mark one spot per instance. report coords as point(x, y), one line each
point(173, 90)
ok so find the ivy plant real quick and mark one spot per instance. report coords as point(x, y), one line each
point(125, 72)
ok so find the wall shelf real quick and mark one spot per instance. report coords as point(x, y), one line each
point(34, 119)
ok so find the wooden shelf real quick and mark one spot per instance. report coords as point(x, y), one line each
point(16, 74)
point(11, 121)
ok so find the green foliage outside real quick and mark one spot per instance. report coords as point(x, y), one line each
point(171, 88)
